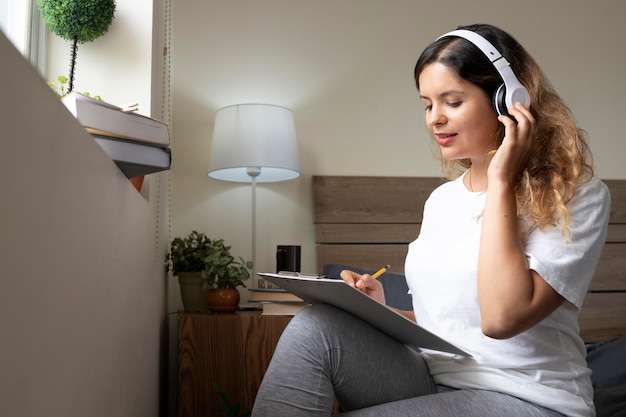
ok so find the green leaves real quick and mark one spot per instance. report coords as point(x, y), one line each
point(196, 252)
point(85, 20)
point(226, 408)
point(78, 21)
point(222, 270)
point(60, 90)
point(188, 253)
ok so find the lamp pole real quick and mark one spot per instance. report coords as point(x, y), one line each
point(253, 172)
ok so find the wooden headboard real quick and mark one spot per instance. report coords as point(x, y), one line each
point(367, 222)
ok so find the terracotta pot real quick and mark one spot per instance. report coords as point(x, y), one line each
point(137, 182)
point(223, 300)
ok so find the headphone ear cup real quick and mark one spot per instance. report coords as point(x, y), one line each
point(499, 101)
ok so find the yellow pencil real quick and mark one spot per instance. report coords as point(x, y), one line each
point(381, 271)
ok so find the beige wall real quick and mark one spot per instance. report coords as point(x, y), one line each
point(82, 289)
point(345, 69)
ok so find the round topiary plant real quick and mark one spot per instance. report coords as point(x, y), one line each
point(78, 21)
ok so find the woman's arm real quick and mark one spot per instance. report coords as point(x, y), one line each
point(409, 314)
point(512, 297)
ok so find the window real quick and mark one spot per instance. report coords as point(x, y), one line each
point(20, 22)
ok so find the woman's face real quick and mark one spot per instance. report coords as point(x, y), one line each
point(458, 113)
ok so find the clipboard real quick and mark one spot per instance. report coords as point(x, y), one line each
point(337, 293)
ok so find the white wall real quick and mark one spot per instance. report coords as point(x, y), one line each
point(345, 69)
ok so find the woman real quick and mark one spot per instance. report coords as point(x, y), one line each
point(505, 255)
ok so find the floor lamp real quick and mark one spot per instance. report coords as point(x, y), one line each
point(254, 143)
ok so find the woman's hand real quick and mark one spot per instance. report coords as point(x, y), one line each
point(512, 155)
point(365, 283)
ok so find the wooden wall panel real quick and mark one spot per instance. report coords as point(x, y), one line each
point(616, 232)
point(618, 200)
point(363, 256)
point(370, 199)
point(368, 222)
point(611, 270)
point(365, 233)
point(603, 316)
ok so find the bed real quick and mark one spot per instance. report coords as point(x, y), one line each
point(366, 222)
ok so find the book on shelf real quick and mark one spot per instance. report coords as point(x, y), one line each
point(104, 119)
point(285, 308)
point(135, 159)
point(271, 294)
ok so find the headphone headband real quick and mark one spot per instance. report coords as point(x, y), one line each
point(483, 44)
point(515, 91)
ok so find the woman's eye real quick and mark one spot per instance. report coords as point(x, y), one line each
point(455, 104)
point(428, 107)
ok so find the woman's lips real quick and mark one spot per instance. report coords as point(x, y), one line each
point(445, 139)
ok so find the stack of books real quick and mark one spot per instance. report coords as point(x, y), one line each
point(276, 301)
point(138, 144)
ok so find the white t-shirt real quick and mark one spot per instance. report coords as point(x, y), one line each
point(544, 365)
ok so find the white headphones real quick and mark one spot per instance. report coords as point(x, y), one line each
point(512, 90)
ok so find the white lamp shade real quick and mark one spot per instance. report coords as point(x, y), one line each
point(252, 137)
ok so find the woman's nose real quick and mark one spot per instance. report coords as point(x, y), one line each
point(435, 116)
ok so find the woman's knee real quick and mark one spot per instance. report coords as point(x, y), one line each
point(313, 324)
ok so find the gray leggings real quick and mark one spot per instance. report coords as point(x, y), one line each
point(326, 353)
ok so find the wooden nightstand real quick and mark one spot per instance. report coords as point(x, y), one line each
point(231, 350)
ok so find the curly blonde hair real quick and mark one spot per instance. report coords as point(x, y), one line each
point(560, 157)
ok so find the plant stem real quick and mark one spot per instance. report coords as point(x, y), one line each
point(73, 53)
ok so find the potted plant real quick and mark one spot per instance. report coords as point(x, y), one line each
point(222, 274)
point(187, 255)
point(206, 270)
point(78, 21)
